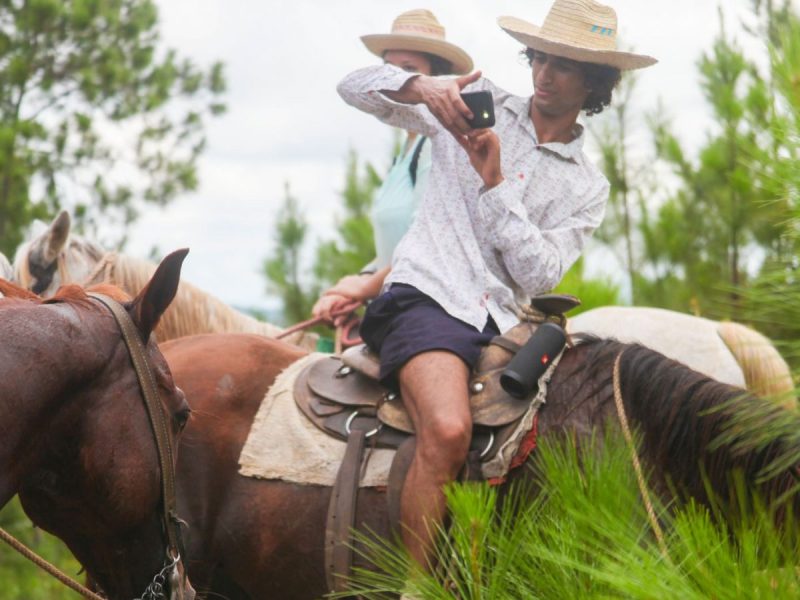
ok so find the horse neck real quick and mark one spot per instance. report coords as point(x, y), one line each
point(193, 310)
point(680, 414)
point(41, 362)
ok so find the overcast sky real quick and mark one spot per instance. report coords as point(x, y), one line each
point(285, 121)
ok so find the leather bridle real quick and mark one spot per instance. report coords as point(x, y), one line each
point(160, 425)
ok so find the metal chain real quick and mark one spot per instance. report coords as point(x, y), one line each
point(155, 591)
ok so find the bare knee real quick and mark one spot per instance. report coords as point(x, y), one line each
point(443, 443)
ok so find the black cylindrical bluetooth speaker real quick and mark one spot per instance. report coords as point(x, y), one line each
point(521, 376)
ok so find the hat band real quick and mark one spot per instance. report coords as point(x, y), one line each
point(432, 31)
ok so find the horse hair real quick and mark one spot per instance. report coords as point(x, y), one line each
point(681, 438)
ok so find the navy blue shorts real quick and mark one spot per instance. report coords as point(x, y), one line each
point(404, 322)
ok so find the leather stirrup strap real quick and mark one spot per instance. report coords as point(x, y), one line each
point(397, 478)
point(505, 343)
point(342, 514)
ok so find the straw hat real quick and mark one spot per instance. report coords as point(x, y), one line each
point(581, 30)
point(419, 31)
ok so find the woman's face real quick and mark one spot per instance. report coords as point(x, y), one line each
point(413, 62)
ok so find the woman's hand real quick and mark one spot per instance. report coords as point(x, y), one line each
point(348, 293)
point(356, 287)
point(483, 148)
point(333, 308)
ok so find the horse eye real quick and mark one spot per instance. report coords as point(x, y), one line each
point(182, 417)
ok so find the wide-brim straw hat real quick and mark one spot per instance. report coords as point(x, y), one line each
point(580, 30)
point(419, 31)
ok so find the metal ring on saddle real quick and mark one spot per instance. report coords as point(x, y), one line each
point(349, 422)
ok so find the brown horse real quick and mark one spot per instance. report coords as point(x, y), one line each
point(262, 539)
point(77, 444)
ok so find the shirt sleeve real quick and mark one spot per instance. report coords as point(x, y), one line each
point(362, 89)
point(537, 258)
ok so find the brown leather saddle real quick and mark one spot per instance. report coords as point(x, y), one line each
point(342, 396)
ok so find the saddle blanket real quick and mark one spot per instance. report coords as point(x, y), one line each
point(283, 444)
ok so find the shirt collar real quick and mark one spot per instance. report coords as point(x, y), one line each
point(521, 107)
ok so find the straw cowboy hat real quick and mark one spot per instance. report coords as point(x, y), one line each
point(419, 31)
point(581, 30)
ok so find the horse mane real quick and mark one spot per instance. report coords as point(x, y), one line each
point(110, 290)
point(682, 416)
point(67, 293)
point(193, 310)
point(9, 289)
point(22, 266)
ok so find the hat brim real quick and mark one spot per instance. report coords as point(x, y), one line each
point(380, 43)
point(531, 36)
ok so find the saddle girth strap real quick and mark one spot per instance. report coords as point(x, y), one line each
point(342, 514)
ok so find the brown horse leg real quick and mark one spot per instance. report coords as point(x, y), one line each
point(434, 387)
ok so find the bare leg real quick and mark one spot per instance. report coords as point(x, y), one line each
point(434, 388)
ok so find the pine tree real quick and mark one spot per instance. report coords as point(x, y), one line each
point(93, 109)
point(284, 268)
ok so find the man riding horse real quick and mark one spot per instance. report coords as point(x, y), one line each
point(492, 230)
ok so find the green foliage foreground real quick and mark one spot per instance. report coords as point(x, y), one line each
point(588, 536)
point(20, 579)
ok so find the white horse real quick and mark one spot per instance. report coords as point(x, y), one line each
point(6, 272)
point(727, 351)
point(55, 258)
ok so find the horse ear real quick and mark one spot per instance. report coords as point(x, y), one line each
point(148, 306)
point(57, 235)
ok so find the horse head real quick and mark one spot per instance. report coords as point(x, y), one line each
point(54, 257)
point(92, 477)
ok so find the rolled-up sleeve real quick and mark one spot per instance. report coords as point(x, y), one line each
point(537, 258)
point(362, 89)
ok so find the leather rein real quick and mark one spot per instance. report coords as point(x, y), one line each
point(160, 425)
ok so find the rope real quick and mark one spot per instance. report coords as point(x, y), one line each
point(105, 266)
point(637, 467)
point(46, 566)
point(348, 308)
point(529, 314)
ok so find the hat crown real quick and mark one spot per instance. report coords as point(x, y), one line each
point(591, 23)
point(419, 22)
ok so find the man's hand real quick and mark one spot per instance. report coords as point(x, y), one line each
point(441, 96)
point(483, 149)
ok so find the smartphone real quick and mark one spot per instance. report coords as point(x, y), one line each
point(482, 106)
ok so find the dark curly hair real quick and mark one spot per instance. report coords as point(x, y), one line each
point(600, 80)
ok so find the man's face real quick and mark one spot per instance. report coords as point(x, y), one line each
point(558, 85)
point(413, 62)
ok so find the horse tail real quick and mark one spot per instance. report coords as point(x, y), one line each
point(766, 374)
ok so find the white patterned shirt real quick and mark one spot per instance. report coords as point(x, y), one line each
point(481, 252)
